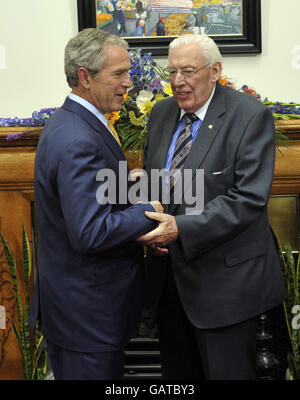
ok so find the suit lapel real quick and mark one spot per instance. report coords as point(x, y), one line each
point(209, 130)
point(96, 124)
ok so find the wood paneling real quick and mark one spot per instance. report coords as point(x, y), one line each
point(287, 166)
point(16, 196)
point(287, 169)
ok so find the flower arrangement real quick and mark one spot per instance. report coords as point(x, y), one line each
point(150, 85)
point(280, 111)
point(283, 111)
point(38, 118)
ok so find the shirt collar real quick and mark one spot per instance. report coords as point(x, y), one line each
point(89, 106)
point(202, 111)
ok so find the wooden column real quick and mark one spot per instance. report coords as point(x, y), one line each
point(16, 196)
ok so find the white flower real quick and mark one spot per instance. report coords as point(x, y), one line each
point(144, 101)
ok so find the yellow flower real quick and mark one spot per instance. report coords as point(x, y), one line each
point(134, 120)
point(159, 97)
point(167, 88)
point(223, 80)
point(113, 116)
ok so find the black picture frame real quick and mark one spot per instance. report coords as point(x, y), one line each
point(247, 42)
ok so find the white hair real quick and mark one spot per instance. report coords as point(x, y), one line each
point(208, 46)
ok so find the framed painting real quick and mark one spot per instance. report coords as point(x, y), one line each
point(151, 25)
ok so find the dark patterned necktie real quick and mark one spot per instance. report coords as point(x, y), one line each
point(182, 148)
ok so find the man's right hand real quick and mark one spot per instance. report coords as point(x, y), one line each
point(157, 205)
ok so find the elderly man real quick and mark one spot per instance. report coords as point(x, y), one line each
point(220, 267)
point(88, 286)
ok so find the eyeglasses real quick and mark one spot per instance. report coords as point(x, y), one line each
point(186, 72)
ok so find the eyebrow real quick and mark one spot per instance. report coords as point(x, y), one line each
point(119, 71)
point(127, 68)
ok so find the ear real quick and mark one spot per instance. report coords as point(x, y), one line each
point(216, 71)
point(84, 77)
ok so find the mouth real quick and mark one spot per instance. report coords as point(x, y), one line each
point(182, 94)
point(119, 98)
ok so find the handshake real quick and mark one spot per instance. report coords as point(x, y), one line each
point(165, 233)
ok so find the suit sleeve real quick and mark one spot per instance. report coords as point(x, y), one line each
point(227, 215)
point(92, 226)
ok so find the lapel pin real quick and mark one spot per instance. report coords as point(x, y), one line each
point(210, 126)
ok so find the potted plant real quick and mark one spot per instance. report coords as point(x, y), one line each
point(33, 350)
point(290, 263)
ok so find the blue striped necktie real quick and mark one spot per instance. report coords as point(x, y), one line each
point(182, 147)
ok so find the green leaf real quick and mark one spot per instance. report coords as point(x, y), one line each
point(17, 335)
point(291, 273)
point(281, 140)
point(27, 273)
point(40, 358)
point(13, 271)
point(297, 281)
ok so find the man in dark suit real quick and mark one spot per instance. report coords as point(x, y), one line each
point(220, 268)
point(88, 286)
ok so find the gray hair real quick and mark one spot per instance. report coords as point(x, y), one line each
point(88, 49)
point(208, 46)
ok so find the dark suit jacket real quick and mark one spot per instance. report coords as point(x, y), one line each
point(225, 262)
point(89, 278)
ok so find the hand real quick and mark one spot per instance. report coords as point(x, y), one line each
point(157, 205)
point(158, 251)
point(165, 233)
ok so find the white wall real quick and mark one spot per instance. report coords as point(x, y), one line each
point(275, 73)
point(33, 34)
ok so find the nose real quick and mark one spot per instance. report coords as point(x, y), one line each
point(127, 81)
point(179, 79)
